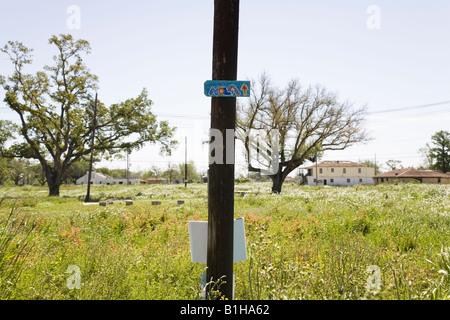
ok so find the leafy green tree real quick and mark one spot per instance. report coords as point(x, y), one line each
point(371, 164)
point(76, 171)
point(171, 172)
point(37, 175)
point(4, 170)
point(153, 172)
point(7, 129)
point(15, 170)
point(106, 171)
point(192, 173)
point(394, 164)
point(440, 151)
point(18, 170)
point(119, 173)
point(55, 108)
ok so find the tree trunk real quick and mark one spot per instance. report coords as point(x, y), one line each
point(53, 181)
point(53, 187)
point(277, 181)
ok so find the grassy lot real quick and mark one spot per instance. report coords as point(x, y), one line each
point(364, 242)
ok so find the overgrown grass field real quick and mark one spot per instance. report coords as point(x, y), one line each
point(362, 242)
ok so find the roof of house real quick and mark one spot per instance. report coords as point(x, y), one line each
point(101, 175)
point(98, 174)
point(412, 173)
point(339, 163)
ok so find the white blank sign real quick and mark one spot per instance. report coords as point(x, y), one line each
point(198, 235)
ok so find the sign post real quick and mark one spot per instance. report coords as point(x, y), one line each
point(198, 234)
point(221, 176)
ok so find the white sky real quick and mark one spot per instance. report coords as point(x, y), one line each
point(166, 47)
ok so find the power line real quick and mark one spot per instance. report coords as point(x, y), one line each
point(413, 115)
point(410, 108)
point(176, 115)
point(407, 116)
point(194, 116)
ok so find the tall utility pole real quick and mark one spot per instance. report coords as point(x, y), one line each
point(317, 172)
point(128, 170)
point(375, 164)
point(185, 162)
point(221, 176)
point(94, 126)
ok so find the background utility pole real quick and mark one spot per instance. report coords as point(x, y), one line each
point(221, 176)
point(317, 172)
point(94, 126)
point(185, 162)
point(128, 170)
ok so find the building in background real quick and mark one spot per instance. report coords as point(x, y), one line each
point(155, 181)
point(101, 178)
point(339, 173)
point(409, 174)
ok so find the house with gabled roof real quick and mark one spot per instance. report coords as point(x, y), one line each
point(96, 178)
point(339, 173)
point(101, 178)
point(410, 174)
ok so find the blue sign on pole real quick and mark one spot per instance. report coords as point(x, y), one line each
point(227, 88)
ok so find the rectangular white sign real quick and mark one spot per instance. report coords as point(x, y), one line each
point(198, 235)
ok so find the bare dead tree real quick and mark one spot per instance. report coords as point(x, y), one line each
point(309, 121)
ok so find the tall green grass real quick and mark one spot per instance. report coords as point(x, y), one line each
point(306, 243)
point(15, 234)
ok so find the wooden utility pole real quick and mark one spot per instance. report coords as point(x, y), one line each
point(185, 162)
point(375, 164)
point(317, 172)
point(94, 126)
point(221, 176)
point(128, 170)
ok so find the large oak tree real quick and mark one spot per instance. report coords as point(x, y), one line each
point(55, 108)
point(309, 120)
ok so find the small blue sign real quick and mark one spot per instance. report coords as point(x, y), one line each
point(227, 88)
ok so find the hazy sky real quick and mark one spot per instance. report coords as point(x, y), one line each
point(386, 54)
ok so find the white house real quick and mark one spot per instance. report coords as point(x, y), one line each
point(101, 178)
point(339, 173)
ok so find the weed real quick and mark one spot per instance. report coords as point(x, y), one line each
point(15, 245)
point(305, 243)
